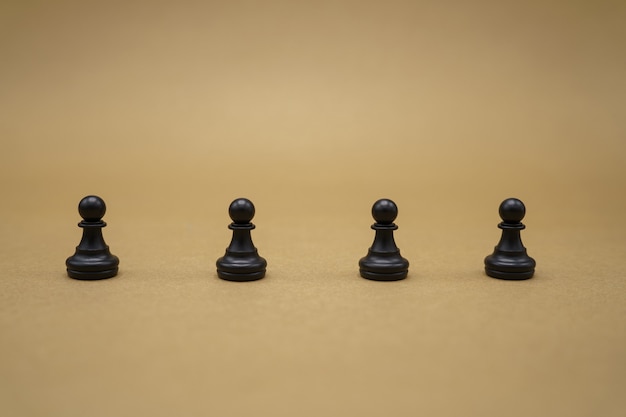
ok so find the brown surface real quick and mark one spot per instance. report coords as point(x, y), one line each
point(313, 110)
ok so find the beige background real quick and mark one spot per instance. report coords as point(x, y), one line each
point(314, 109)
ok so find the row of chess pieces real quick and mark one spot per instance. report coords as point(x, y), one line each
point(242, 262)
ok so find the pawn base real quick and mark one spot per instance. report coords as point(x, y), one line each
point(510, 265)
point(92, 265)
point(92, 275)
point(229, 276)
point(375, 276)
point(507, 275)
point(383, 266)
point(511, 276)
point(241, 267)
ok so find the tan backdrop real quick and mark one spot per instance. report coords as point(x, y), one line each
point(313, 109)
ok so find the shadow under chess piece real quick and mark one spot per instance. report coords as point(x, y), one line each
point(241, 261)
point(383, 261)
point(92, 259)
point(509, 259)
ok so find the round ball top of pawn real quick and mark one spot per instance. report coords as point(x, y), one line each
point(384, 211)
point(512, 210)
point(92, 208)
point(241, 211)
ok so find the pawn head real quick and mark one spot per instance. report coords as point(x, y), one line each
point(241, 211)
point(92, 208)
point(512, 210)
point(384, 211)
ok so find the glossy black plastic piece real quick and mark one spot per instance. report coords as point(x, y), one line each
point(92, 259)
point(383, 261)
point(241, 261)
point(509, 259)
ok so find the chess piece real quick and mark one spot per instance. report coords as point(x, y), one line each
point(241, 261)
point(509, 259)
point(92, 259)
point(383, 261)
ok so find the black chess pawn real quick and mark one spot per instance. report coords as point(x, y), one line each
point(241, 261)
point(92, 259)
point(509, 259)
point(383, 261)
